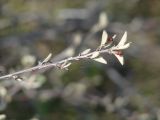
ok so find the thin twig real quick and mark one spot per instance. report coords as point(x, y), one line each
point(55, 64)
point(105, 47)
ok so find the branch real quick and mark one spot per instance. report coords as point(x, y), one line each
point(106, 46)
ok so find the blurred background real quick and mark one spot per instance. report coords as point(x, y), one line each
point(31, 29)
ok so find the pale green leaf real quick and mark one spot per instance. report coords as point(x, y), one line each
point(104, 38)
point(47, 58)
point(123, 39)
point(124, 46)
point(94, 55)
point(67, 65)
point(86, 51)
point(101, 60)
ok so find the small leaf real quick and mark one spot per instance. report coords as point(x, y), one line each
point(114, 36)
point(67, 65)
point(17, 78)
point(120, 58)
point(94, 55)
point(123, 39)
point(124, 46)
point(85, 51)
point(47, 58)
point(104, 38)
point(40, 63)
point(101, 60)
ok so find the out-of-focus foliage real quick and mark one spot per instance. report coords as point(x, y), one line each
point(31, 29)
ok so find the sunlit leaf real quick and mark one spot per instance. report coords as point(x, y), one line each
point(120, 58)
point(67, 65)
point(86, 51)
point(101, 60)
point(19, 79)
point(47, 58)
point(124, 46)
point(104, 38)
point(123, 39)
point(94, 55)
point(114, 36)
